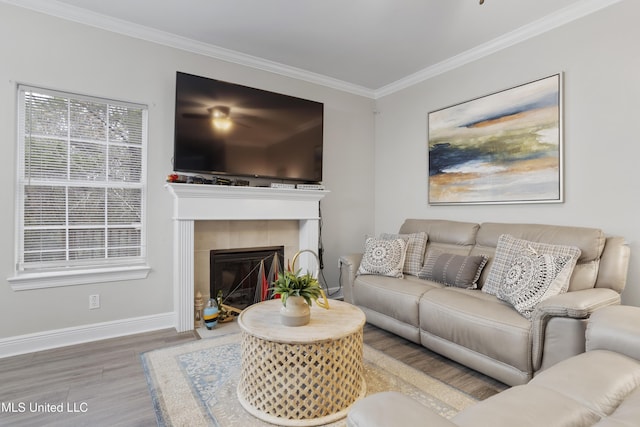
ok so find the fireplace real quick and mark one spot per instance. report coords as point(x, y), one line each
point(236, 272)
point(193, 202)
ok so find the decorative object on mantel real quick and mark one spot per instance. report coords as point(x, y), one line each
point(501, 148)
point(299, 291)
point(189, 179)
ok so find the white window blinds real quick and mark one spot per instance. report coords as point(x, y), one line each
point(81, 181)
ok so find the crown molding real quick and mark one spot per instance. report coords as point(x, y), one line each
point(83, 16)
point(549, 22)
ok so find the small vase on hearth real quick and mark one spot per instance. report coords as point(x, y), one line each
point(210, 314)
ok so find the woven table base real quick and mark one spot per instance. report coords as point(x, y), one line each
point(302, 382)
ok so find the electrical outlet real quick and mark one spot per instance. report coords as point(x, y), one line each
point(94, 301)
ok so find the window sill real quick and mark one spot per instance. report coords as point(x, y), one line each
point(28, 281)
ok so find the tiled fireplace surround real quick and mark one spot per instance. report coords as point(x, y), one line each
point(209, 217)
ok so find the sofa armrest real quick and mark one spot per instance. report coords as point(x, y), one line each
point(349, 265)
point(614, 264)
point(390, 409)
point(616, 329)
point(574, 305)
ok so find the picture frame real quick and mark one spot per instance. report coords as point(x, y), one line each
point(501, 148)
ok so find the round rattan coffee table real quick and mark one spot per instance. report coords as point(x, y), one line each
point(305, 375)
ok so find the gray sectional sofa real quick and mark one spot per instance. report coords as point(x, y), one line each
point(600, 387)
point(479, 329)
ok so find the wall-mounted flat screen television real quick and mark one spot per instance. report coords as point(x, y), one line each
point(223, 128)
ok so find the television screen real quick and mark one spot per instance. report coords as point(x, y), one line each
point(223, 128)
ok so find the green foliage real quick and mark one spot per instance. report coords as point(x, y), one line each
point(293, 284)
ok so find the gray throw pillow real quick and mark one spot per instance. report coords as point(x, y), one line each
point(509, 247)
point(453, 270)
point(383, 257)
point(416, 244)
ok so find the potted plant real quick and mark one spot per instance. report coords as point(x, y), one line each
point(297, 293)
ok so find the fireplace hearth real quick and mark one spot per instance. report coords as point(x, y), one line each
point(236, 272)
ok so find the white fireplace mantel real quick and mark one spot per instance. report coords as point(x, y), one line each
point(194, 202)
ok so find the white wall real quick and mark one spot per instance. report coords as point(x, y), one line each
point(600, 60)
point(50, 52)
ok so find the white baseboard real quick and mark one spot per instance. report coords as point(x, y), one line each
point(46, 340)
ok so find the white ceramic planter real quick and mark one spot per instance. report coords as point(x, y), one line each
point(296, 312)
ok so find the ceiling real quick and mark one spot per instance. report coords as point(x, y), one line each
point(370, 47)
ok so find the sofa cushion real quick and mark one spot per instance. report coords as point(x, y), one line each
point(599, 379)
point(453, 270)
point(416, 244)
point(392, 408)
point(616, 328)
point(627, 413)
point(452, 233)
point(509, 248)
point(527, 406)
point(532, 278)
point(392, 297)
point(479, 322)
point(383, 257)
point(590, 241)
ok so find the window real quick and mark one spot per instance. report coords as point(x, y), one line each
point(81, 189)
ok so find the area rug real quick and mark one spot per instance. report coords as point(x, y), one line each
point(194, 384)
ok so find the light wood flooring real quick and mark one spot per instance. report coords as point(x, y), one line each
point(106, 375)
point(105, 382)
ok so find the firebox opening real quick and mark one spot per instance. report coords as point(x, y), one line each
point(235, 272)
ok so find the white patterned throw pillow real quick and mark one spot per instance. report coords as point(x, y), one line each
point(383, 257)
point(416, 244)
point(533, 277)
point(509, 247)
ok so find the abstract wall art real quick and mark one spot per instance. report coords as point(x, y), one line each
point(501, 148)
